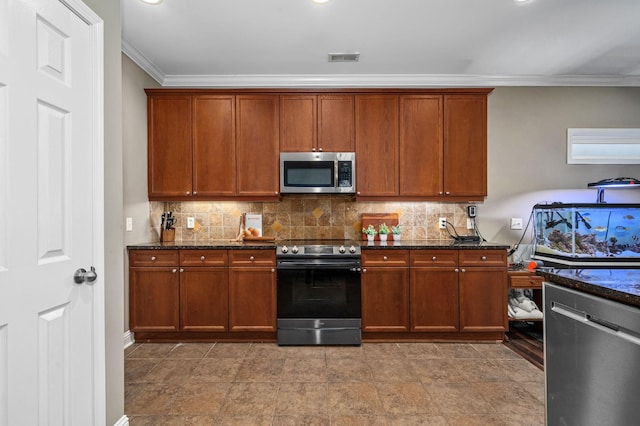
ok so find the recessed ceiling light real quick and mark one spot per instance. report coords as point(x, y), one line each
point(152, 1)
point(320, 1)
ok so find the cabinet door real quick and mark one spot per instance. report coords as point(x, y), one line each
point(465, 145)
point(214, 146)
point(385, 299)
point(377, 145)
point(204, 299)
point(434, 299)
point(483, 299)
point(336, 123)
point(421, 146)
point(169, 146)
point(257, 145)
point(153, 299)
point(298, 123)
point(252, 299)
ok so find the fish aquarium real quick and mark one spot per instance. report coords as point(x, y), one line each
point(591, 235)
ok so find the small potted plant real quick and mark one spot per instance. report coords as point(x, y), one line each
point(396, 231)
point(383, 230)
point(370, 231)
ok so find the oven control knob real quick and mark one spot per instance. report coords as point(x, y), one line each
point(284, 249)
point(352, 249)
point(294, 250)
point(342, 249)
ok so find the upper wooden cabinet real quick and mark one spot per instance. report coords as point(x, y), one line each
point(214, 148)
point(377, 145)
point(258, 158)
point(421, 145)
point(169, 146)
point(316, 123)
point(465, 146)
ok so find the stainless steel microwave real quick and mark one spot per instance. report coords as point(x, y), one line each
point(317, 172)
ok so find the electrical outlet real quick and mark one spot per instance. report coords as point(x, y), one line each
point(129, 225)
point(516, 223)
point(442, 222)
point(191, 223)
point(469, 223)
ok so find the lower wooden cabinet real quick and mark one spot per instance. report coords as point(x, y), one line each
point(154, 299)
point(202, 291)
point(434, 299)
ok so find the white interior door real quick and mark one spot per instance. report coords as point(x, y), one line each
point(51, 214)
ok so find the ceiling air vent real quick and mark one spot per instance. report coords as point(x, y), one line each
point(344, 57)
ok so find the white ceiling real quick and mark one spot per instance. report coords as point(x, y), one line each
point(426, 43)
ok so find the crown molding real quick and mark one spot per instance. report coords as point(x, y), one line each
point(136, 56)
point(369, 80)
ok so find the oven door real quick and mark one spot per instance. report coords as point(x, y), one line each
point(319, 289)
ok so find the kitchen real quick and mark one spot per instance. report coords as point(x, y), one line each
point(526, 157)
point(527, 124)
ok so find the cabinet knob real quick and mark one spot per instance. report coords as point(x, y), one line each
point(440, 193)
point(447, 193)
point(456, 270)
point(153, 258)
point(320, 149)
point(251, 258)
point(434, 258)
point(276, 192)
point(313, 150)
point(364, 270)
point(202, 258)
point(181, 270)
point(463, 270)
point(273, 270)
point(195, 192)
point(484, 258)
point(358, 193)
point(188, 192)
point(385, 258)
point(174, 270)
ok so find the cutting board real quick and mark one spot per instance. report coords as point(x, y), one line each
point(375, 219)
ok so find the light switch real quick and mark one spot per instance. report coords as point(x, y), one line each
point(129, 224)
point(516, 223)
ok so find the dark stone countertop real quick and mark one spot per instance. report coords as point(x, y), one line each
point(266, 245)
point(620, 285)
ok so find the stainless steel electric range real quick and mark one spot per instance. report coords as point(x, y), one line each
point(319, 292)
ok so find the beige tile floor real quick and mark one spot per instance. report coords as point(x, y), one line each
point(375, 384)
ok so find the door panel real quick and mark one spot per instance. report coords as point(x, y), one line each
point(51, 193)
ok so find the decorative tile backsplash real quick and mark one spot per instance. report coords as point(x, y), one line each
point(306, 216)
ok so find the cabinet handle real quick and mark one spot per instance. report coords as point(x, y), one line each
point(188, 192)
point(364, 270)
point(273, 270)
point(447, 193)
point(153, 258)
point(174, 270)
point(195, 192)
point(202, 257)
point(463, 270)
point(181, 270)
point(456, 270)
point(276, 192)
point(313, 149)
point(358, 193)
point(385, 258)
point(434, 258)
point(320, 149)
point(251, 258)
point(483, 258)
point(440, 193)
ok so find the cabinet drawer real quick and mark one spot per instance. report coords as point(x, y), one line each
point(252, 258)
point(203, 258)
point(483, 258)
point(435, 258)
point(153, 258)
point(525, 281)
point(385, 257)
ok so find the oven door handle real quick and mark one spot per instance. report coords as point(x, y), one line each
point(310, 264)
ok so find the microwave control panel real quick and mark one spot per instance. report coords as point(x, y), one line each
point(345, 175)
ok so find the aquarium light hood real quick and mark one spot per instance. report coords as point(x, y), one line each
point(621, 182)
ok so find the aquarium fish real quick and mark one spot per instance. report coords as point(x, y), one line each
point(628, 217)
point(600, 228)
point(621, 228)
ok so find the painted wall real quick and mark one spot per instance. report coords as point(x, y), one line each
point(109, 11)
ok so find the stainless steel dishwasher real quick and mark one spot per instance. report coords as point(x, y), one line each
point(591, 359)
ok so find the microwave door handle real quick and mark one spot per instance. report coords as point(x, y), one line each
point(336, 184)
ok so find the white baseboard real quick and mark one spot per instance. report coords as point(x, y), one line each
point(123, 421)
point(129, 339)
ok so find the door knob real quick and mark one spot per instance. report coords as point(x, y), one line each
point(82, 275)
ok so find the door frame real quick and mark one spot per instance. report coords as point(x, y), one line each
point(96, 25)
